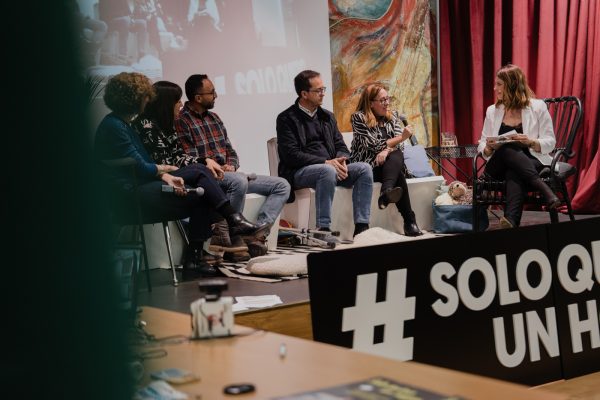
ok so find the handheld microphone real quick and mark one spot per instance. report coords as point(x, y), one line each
point(412, 139)
point(170, 189)
point(403, 119)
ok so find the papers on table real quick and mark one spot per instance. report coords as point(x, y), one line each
point(247, 302)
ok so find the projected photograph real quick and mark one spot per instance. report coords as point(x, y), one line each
point(170, 39)
point(250, 49)
point(389, 41)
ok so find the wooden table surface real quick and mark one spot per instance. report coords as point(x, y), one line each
point(254, 357)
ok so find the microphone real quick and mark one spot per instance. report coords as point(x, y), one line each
point(170, 189)
point(403, 119)
point(412, 139)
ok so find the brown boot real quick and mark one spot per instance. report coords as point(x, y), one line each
point(221, 242)
point(256, 246)
point(211, 259)
point(236, 257)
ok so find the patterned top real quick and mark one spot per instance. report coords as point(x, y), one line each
point(204, 135)
point(368, 142)
point(163, 148)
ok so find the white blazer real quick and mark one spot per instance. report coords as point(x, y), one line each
point(537, 124)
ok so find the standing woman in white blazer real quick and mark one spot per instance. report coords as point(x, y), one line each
point(519, 161)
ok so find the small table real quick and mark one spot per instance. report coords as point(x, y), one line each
point(451, 153)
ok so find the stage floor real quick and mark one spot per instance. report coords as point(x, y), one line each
point(290, 318)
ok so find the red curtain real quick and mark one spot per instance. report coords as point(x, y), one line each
point(556, 43)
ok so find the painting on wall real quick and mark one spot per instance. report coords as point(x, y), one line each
point(388, 41)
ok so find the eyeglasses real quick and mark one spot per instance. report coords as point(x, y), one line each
point(213, 93)
point(384, 100)
point(320, 90)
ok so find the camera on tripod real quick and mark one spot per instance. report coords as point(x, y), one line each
point(212, 315)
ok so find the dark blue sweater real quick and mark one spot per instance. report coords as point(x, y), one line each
point(115, 138)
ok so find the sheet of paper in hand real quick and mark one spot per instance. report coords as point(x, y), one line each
point(508, 137)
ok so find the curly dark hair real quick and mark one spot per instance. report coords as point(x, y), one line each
point(125, 92)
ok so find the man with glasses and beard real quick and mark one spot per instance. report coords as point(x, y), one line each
point(203, 134)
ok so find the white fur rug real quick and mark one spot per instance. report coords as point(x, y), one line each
point(295, 264)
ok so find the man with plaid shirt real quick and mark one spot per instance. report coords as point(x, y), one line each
point(203, 134)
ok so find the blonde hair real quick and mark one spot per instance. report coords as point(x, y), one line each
point(370, 91)
point(517, 92)
point(125, 92)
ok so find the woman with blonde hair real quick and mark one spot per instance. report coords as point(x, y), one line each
point(379, 135)
point(525, 120)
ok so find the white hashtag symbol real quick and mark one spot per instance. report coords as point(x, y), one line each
point(367, 314)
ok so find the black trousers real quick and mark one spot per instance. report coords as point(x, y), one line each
point(157, 206)
point(519, 169)
point(391, 174)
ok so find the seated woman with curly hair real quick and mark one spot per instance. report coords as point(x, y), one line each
point(126, 94)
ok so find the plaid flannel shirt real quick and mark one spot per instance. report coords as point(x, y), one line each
point(204, 135)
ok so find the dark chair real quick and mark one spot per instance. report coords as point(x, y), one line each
point(566, 113)
point(137, 239)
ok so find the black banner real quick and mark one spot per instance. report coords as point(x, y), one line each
point(481, 303)
point(575, 248)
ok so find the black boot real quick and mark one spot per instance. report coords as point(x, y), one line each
point(390, 195)
point(411, 229)
point(410, 225)
point(195, 267)
point(360, 228)
point(552, 200)
point(238, 225)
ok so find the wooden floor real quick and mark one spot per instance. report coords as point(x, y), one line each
point(290, 318)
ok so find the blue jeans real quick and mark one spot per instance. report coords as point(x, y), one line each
point(323, 178)
point(276, 190)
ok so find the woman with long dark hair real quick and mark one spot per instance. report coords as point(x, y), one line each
point(156, 129)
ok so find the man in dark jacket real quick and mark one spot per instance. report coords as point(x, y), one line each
point(312, 153)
